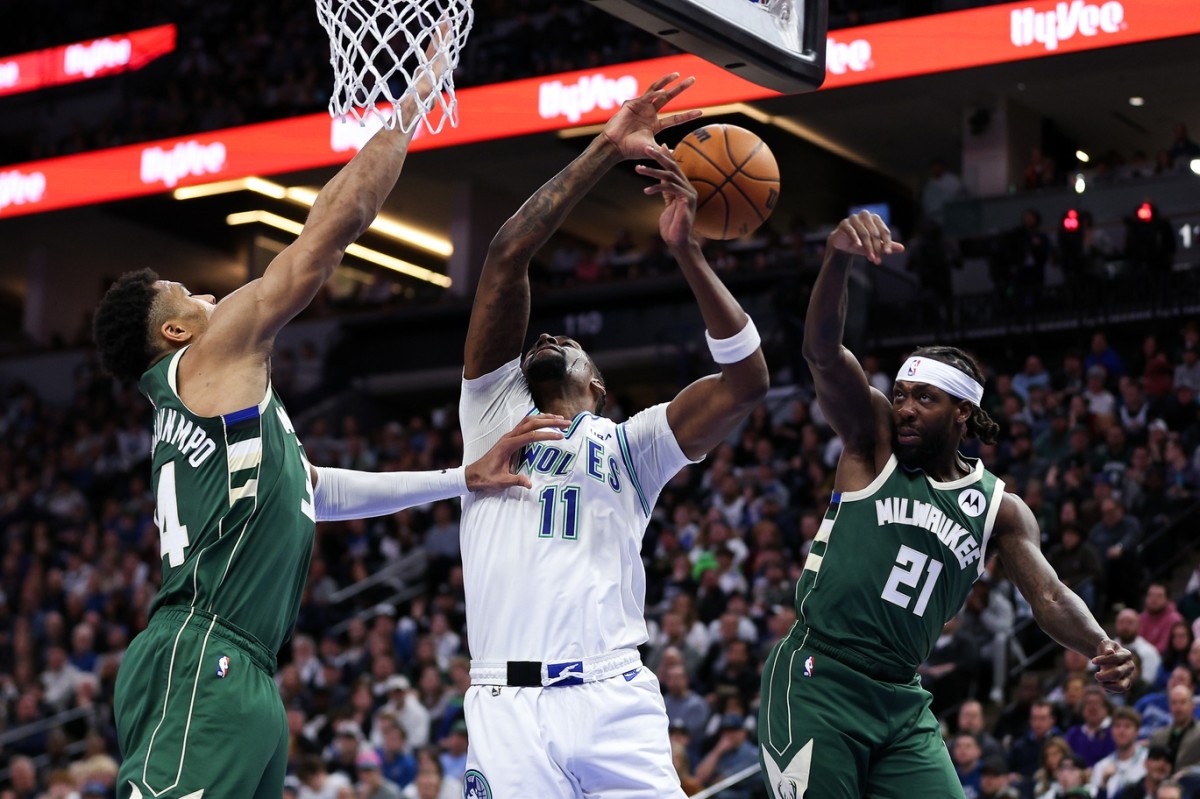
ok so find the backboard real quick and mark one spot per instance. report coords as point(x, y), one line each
point(779, 44)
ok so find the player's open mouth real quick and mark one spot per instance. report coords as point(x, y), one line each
point(907, 436)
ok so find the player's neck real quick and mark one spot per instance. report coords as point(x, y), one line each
point(566, 404)
point(947, 467)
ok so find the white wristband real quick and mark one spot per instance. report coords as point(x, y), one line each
point(342, 494)
point(738, 347)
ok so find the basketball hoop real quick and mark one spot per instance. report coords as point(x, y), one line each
point(381, 49)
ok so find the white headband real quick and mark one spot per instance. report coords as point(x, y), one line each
point(953, 381)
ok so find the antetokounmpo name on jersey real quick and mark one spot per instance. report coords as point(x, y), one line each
point(545, 459)
point(170, 427)
point(913, 512)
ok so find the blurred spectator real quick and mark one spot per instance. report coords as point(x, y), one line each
point(1126, 764)
point(1182, 149)
point(371, 782)
point(966, 754)
point(1025, 756)
point(1092, 739)
point(970, 720)
point(732, 753)
point(1076, 564)
point(317, 783)
point(1115, 538)
point(1181, 740)
point(1159, 616)
point(1158, 769)
point(1126, 632)
point(1040, 171)
point(941, 188)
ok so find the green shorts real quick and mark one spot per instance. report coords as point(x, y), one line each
point(829, 728)
point(198, 713)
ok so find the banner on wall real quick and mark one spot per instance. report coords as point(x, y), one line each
point(869, 53)
point(96, 58)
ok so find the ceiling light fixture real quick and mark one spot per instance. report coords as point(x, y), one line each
point(1137, 102)
point(357, 250)
point(1082, 156)
point(383, 225)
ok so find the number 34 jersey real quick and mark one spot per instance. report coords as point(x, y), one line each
point(893, 562)
point(233, 507)
point(554, 573)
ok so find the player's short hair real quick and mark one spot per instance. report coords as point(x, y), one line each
point(979, 424)
point(121, 326)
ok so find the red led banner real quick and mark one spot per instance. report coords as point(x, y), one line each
point(869, 53)
point(84, 60)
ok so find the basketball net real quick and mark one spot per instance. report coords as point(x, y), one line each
point(378, 49)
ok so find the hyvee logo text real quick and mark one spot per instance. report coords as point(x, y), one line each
point(18, 188)
point(88, 59)
point(1064, 21)
point(841, 57)
point(10, 74)
point(584, 96)
point(183, 160)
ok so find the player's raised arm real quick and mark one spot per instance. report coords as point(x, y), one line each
point(247, 321)
point(857, 413)
point(500, 314)
point(1056, 608)
point(707, 411)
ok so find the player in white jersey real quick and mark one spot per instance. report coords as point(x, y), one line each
point(560, 705)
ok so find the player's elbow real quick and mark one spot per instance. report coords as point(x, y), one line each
point(749, 386)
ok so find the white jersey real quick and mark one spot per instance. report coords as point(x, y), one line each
point(554, 573)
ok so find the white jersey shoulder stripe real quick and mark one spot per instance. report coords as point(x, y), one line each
point(633, 477)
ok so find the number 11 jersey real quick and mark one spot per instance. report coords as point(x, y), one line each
point(891, 563)
point(554, 573)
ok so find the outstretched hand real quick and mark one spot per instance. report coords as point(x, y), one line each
point(1114, 665)
point(866, 234)
point(635, 125)
point(679, 217)
point(494, 471)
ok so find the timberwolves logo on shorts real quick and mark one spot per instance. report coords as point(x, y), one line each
point(475, 786)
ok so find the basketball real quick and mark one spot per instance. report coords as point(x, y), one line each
point(736, 179)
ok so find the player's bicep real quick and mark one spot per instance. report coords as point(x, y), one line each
point(1017, 542)
point(857, 412)
point(499, 316)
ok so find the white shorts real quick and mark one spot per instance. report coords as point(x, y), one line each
point(600, 740)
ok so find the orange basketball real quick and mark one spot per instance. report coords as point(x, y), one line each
point(736, 179)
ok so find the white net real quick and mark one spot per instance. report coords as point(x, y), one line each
point(381, 50)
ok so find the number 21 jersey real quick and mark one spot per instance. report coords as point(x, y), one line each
point(893, 562)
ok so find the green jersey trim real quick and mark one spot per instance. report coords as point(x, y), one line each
point(875, 485)
point(993, 512)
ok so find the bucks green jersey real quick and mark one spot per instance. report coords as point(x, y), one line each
point(234, 509)
point(893, 562)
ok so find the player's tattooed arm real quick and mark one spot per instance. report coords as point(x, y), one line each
point(500, 314)
point(1056, 608)
point(501, 311)
point(859, 415)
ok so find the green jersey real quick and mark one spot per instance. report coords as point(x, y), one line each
point(234, 510)
point(893, 562)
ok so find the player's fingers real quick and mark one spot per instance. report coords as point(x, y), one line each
point(678, 119)
point(513, 481)
point(661, 82)
point(679, 88)
point(540, 420)
point(864, 238)
point(1110, 659)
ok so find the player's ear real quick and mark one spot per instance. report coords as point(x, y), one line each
point(177, 331)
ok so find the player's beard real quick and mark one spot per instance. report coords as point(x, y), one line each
point(924, 451)
point(546, 367)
